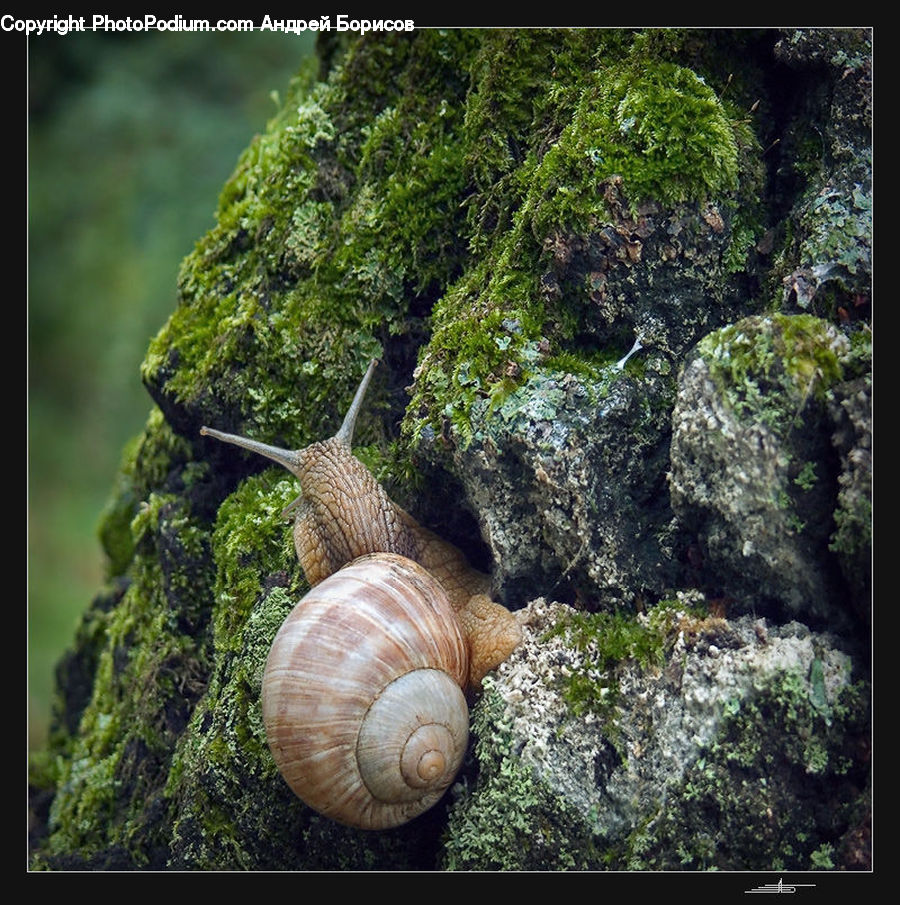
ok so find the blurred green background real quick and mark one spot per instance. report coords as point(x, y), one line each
point(130, 141)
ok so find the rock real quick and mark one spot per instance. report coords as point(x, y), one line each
point(712, 747)
point(754, 475)
point(590, 456)
point(851, 542)
point(831, 220)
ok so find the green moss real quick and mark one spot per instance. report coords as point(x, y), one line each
point(859, 362)
point(524, 84)
point(821, 858)
point(114, 529)
point(126, 733)
point(268, 207)
point(257, 583)
point(655, 125)
point(541, 171)
point(769, 367)
point(853, 527)
point(407, 221)
point(145, 664)
point(591, 367)
point(610, 641)
point(392, 468)
point(347, 208)
point(806, 479)
point(251, 541)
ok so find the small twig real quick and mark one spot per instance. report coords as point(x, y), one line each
point(620, 364)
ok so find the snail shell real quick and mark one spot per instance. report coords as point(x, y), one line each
point(362, 694)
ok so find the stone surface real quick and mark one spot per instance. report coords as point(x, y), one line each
point(754, 474)
point(735, 716)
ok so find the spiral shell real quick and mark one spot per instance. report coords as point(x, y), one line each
point(362, 694)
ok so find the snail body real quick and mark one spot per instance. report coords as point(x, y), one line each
point(364, 688)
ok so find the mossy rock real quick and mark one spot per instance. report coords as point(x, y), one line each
point(754, 466)
point(496, 215)
point(670, 740)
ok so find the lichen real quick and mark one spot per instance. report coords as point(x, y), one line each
point(608, 639)
point(754, 421)
point(716, 755)
point(509, 820)
point(839, 230)
point(747, 799)
point(824, 263)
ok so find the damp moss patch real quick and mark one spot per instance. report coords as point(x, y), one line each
point(768, 367)
point(652, 127)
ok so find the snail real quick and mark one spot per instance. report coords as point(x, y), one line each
point(364, 689)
